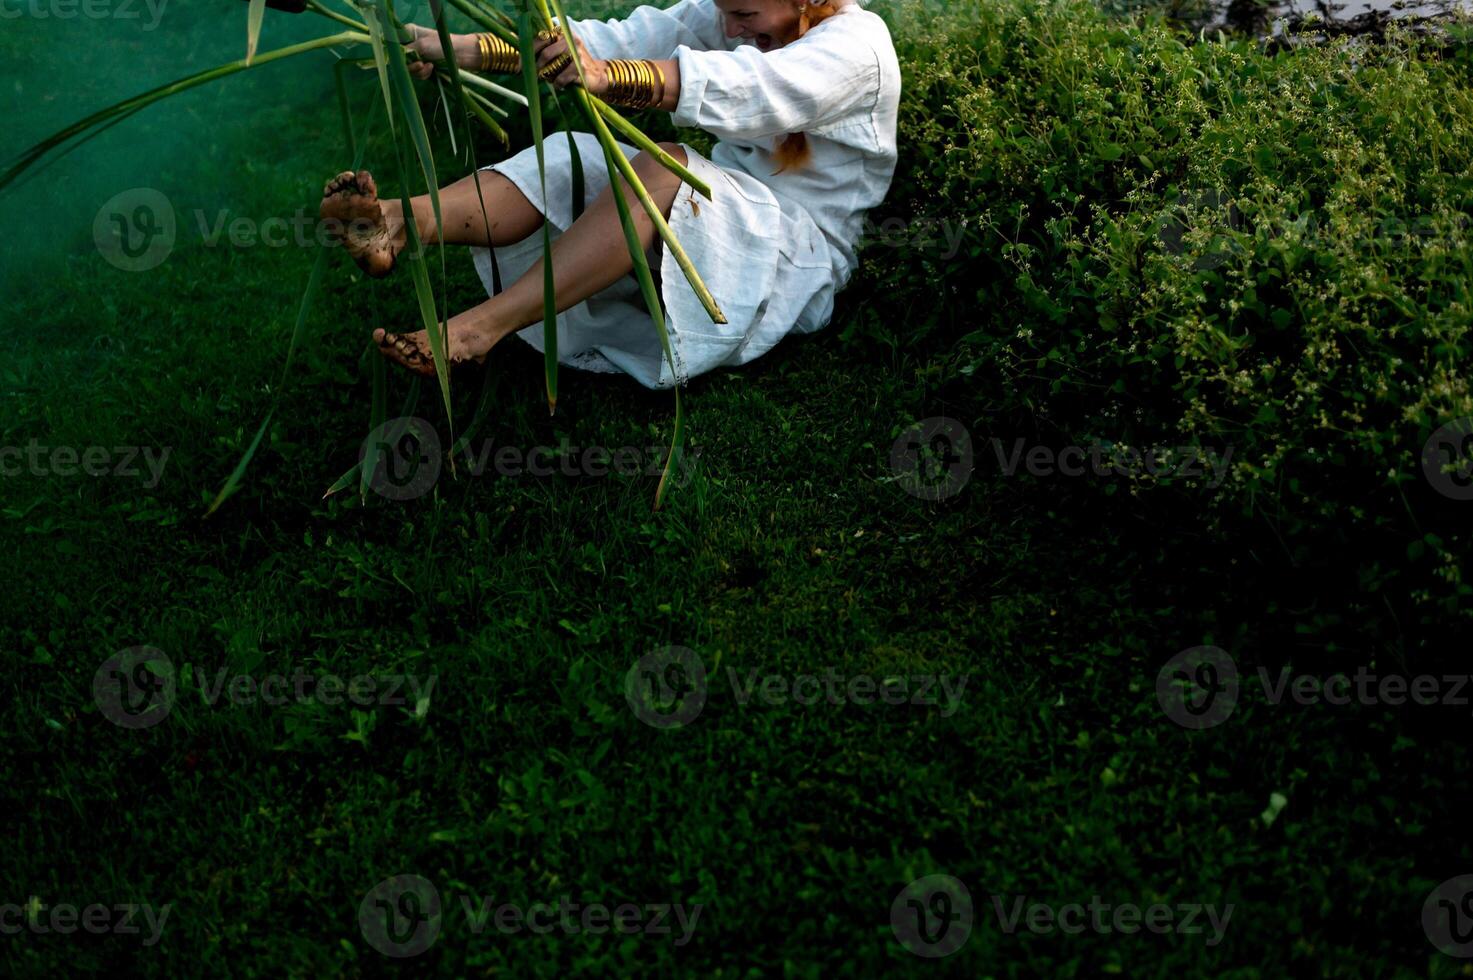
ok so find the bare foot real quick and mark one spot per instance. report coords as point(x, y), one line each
point(350, 204)
point(412, 350)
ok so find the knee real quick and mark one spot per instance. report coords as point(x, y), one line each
point(648, 167)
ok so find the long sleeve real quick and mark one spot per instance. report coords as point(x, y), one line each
point(746, 94)
point(652, 32)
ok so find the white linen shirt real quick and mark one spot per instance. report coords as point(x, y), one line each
point(839, 84)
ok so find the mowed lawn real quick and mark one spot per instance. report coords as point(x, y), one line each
point(1028, 616)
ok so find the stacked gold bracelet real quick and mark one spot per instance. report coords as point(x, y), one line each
point(634, 84)
point(497, 55)
point(502, 58)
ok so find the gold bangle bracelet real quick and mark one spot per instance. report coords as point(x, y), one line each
point(497, 55)
point(631, 84)
point(660, 97)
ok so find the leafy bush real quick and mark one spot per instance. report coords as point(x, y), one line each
point(1173, 242)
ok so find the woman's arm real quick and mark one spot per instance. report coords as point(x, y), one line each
point(467, 50)
point(748, 94)
point(596, 72)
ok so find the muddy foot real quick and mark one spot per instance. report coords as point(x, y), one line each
point(350, 203)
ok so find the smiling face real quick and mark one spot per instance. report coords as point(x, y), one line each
point(766, 23)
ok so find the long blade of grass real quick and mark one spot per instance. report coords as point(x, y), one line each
point(314, 281)
point(643, 142)
point(411, 401)
point(342, 88)
point(479, 416)
point(405, 105)
point(444, 103)
point(485, 17)
point(677, 252)
point(128, 106)
point(657, 313)
point(473, 103)
point(232, 483)
point(377, 414)
point(613, 157)
point(449, 67)
point(657, 218)
point(549, 292)
point(575, 161)
point(414, 252)
point(380, 59)
point(318, 8)
point(254, 17)
point(471, 78)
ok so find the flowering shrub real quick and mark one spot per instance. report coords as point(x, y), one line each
point(1172, 241)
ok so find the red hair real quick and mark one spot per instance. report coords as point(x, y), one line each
point(792, 150)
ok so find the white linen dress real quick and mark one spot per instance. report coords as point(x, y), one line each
point(772, 248)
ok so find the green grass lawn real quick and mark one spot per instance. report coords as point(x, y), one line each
point(524, 775)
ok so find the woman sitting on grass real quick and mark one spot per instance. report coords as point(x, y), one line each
point(802, 99)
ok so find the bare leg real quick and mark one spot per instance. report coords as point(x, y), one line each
point(589, 256)
point(373, 230)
